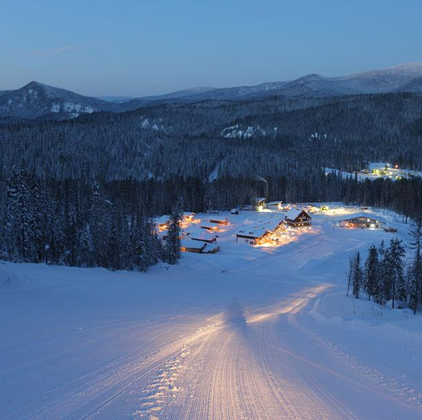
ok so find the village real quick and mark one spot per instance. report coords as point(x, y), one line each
point(266, 225)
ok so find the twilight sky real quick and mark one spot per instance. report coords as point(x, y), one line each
point(137, 47)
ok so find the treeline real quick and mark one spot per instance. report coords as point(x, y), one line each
point(387, 276)
point(109, 224)
point(67, 225)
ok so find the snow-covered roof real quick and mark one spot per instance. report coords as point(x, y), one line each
point(292, 214)
point(210, 247)
point(252, 232)
point(217, 219)
point(162, 220)
point(270, 224)
point(274, 203)
point(365, 215)
point(199, 233)
point(207, 225)
point(189, 243)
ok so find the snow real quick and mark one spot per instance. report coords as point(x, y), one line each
point(292, 214)
point(249, 332)
point(199, 234)
point(162, 220)
point(189, 243)
point(215, 173)
point(55, 107)
point(391, 173)
point(236, 131)
point(256, 232)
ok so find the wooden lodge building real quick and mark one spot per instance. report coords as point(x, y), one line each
point(258, 234)
point(362, 221)
point(298, 218)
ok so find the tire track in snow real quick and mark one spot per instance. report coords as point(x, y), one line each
point(393, 389)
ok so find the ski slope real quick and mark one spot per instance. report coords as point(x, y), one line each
point(248, 333)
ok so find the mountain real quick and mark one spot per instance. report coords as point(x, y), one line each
point(185, 93)
point(115, 99)
point(232, 93)
point(401, 78)
point(412, 86)
point(38, 100)
point(384, 81)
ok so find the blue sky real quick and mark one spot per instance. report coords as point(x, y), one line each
point(140, 47)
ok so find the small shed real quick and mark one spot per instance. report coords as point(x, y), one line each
point(363, 221)
point(209, 226)
point(188, 216)
point(260, 203)
point(220, 221)
point(187, 245)
point(276, 205)
point(298, 218)
point(162, 222)
point(211, 249)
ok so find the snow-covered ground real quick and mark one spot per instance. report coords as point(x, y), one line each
point(247, 333)
point(377, 170)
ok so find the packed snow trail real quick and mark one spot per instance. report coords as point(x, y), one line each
point(248, 333)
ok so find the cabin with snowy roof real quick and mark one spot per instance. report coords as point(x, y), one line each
point(187, 217)
point(221, 221)
point(162, 223)
point(198, 234)
point(298, 218)
point(260, 203)
point(198, 247)
point(187, 245)
point(251, 235)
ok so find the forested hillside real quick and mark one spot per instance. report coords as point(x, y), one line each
point(209, 155)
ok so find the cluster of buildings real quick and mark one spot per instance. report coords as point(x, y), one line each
point(270, 230)
point(198, 236)
point(201, 236)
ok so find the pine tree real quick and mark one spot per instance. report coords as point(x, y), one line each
point(142, 250)
point(415, 271)
point(172, 247)
point(356, 275)
point(20, 217)
point(86, 251)
point(371, 272)
point(395, 284)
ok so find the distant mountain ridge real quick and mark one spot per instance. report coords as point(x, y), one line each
point(37, 100)
point(393, 79)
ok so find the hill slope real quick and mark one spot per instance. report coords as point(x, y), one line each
point(36, 99)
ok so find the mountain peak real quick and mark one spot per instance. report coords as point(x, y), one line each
point(34, 84)
point(408, 66)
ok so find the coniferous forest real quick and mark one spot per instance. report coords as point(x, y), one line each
point(83, 192)
point(390, 274)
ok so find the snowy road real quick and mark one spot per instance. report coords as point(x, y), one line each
point(269, 337)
